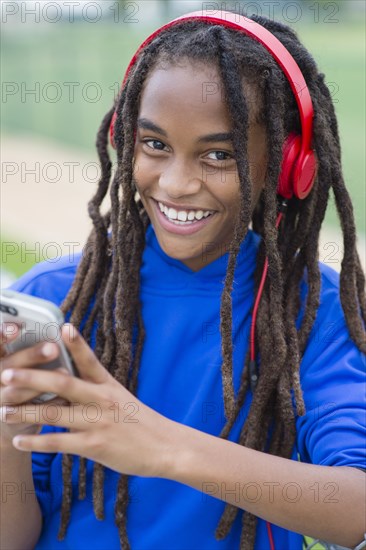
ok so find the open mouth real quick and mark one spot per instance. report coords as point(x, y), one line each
point(184, 217)
point(184, 227)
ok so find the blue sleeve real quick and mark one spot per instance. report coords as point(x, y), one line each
point(48, 280)
point(333, 380)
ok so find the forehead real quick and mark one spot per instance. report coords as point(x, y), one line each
point(193, 87)
point(185, 88)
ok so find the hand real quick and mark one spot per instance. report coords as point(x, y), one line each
point(107, 423)
point(12, 395)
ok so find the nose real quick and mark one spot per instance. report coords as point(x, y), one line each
point(180, 178)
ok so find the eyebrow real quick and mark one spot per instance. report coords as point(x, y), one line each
point(146, 124)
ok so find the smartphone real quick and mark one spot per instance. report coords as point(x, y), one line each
point(39, 321)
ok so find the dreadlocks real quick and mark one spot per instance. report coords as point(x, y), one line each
point(106, 287)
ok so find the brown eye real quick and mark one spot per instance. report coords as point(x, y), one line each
point(221, 155)
point(157, 145)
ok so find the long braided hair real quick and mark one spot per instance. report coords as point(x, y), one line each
point(105, 290)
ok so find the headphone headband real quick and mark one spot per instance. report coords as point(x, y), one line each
point(305, 157)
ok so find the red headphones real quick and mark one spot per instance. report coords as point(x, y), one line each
point(299, 165)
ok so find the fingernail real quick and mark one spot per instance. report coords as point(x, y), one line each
point(18, 441)
point(7, 376)
point(47, 350)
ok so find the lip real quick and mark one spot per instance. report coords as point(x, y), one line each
point(180, 229)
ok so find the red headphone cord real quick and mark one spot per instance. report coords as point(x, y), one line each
point(270, 536)
point(253, 367)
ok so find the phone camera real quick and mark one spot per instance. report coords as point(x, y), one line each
point(8, 309)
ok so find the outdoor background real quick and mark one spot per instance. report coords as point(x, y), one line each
point(62, 64)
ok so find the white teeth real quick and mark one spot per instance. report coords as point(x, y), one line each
point(183, 215)
point(172, 214)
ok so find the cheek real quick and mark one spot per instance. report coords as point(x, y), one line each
point(142, 171)
point(231, 186)
point(228, 192)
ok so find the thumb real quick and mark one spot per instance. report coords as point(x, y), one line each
point(86, 362)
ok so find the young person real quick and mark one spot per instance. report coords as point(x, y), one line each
point(216, 407)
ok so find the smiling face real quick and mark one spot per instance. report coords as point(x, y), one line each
point(184, 159)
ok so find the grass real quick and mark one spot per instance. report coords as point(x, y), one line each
point(16, 256)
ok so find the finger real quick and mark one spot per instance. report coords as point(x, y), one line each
point(75, 417)
point(71, 443)
point(10, 395)
point(35, 355)
point(86, 361)
point(8, 332)
point(14, 395)
point(57, 381)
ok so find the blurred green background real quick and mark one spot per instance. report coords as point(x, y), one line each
point(61, 61)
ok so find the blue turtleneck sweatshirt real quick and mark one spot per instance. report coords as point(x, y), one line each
point(180, 377)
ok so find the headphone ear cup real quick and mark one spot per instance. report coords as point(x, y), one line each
point(290, 152)
point(304, 175)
